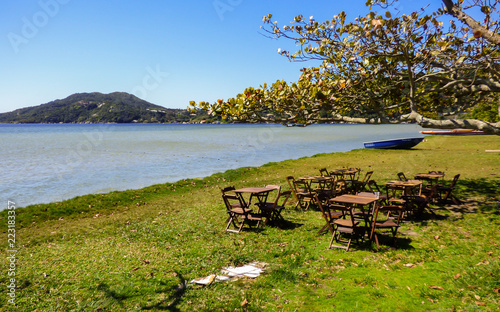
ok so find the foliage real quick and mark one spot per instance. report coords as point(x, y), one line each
point(117, 107)
point(381, 68)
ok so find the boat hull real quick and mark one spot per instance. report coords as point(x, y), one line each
point(394, 144)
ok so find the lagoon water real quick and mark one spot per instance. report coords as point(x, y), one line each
point(46, 163)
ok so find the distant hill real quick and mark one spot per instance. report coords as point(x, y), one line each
point(118, 107)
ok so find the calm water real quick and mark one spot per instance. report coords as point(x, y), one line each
point(47, 163)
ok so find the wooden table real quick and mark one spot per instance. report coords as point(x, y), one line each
point(351, 172)
point(348, 175)
point(322, 181)
point(260, 193)
point(357, 201)
point(407, 187)
point(432, 177)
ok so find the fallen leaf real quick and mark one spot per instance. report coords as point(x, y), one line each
point(430, 300)
point(436, 287)
point(146, 261)
point(477, 297)
point(484, 262)
point(457, 276)
point(244, 303)
point(409, 265)
point(497, 290)
point(135, 269)
point(436, 237)
point(481, 303)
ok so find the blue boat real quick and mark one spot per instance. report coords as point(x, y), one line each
point(394, 144)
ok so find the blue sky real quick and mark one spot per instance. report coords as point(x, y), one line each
point(165, 52)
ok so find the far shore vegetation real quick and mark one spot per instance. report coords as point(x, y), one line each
point(139, 249)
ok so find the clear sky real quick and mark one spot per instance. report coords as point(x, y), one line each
point(166, 52)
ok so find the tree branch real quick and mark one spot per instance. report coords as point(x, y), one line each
point(454, 10)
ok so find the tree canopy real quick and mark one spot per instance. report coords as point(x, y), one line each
point(440, 70)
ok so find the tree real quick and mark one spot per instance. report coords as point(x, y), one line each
point(383, 69)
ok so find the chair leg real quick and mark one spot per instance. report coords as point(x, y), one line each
point(376, 240)
point(336, 237)
point(234, 221)
point(231, 220)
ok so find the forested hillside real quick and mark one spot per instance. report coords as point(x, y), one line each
point(119, 107)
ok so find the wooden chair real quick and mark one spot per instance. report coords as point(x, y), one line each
point(272, 200)
point(351, 179)
point(301, 191)
point(273, 210)
point(383, 196)
point(446, 192)
point(291, 184)
point(327, 188)
point(417, 204)
point(238, 216)
point(330, 213)
point(395, 197)
point(235, 201)
point(345, 230)
point(382, 220)
point(360, 185)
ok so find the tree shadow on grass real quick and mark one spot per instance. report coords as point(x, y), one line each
point(468, 190)
point(170, 304)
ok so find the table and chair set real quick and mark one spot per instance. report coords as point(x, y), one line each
point(353, 206)
point(240, 210)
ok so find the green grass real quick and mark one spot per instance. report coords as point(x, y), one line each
point(138, 249)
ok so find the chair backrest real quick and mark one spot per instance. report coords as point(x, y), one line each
point(402, 176)
point(228, 198)
point(227, 189)
point(302, 186)
point(373, 186)
point(454, 182)
point(283, 196)
point(367, 177)
point(324, 172)
point(275, 187)
point(327, 208)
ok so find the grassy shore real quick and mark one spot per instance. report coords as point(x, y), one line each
point(138, 249)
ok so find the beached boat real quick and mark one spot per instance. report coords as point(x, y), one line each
point(453, 132)
point(394, 144)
